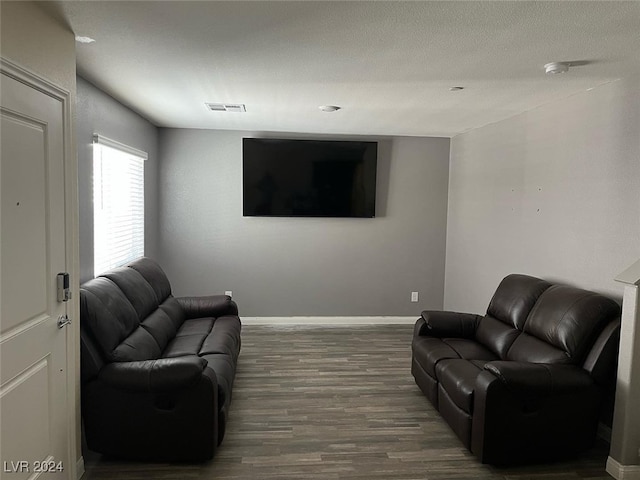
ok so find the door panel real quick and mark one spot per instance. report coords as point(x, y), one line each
point(27, 241)
point(33, 372)
point(29, 426)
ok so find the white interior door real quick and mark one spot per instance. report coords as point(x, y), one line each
point(34, 422)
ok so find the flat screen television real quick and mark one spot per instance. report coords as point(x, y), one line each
point(308, 178)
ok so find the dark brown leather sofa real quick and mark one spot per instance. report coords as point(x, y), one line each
point(157, 371)
point(525, 382)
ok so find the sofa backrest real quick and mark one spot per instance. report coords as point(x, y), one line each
point(563, 326)
point(508, 311)
point(154, 275)
point(127, 314)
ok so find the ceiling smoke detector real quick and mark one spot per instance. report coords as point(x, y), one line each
point(226, 107)
point(556, 67)
point(329, 108)
point(81, 39)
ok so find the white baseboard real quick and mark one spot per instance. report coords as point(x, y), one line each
point(80, 468)
point(622, 472)
point(333, 321)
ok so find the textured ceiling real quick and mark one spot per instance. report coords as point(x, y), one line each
point(389, 65)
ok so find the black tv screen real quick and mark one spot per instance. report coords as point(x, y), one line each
point(308, 178)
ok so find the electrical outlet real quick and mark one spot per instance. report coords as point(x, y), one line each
point(414, 296)
point(228, 292)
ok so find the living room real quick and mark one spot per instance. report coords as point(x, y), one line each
point(549, 190)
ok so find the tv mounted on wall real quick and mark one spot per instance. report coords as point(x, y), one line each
point(308, 178)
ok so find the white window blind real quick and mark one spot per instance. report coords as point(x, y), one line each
point(118, 204)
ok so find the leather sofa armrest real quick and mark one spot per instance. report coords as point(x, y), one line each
point(435, 323)
point(155, 376)
point(541, 378)
point(526, 412)
point(208, 306)
point(164, 410)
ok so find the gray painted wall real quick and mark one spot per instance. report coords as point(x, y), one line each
point(553, 192)
point(99, 113)
point(303, 266)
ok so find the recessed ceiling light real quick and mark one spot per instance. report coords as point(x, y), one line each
point(455, 89)
point(556, 67)
point(329, 108)
point(81, 39)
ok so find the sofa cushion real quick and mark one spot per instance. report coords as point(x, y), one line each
point(469, 349)
point(160, 326)
point(107, 313)
point(196, 326)
point(429, 351)
point(458, 378)
point(215, 339)
point(154, 275)
point(565, 319)
point(514, 298)
point(528, 348)
point(199, 336)
point(508, 311)
point(184, 345)
point(112, 300)
point(139, 293)
point(140, 345)
point(497, 336)
point(189, 337)
point(144, 300)
point(171, 307)
point(223, 338)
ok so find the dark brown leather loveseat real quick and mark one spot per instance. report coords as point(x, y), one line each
point(525, 382)
point(157, 371)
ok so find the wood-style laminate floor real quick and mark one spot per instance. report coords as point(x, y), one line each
point(334, 403)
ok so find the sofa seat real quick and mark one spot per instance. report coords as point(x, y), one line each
point(429, 351)
point(157, 370)
point(458, 378)
point(527, 381)
point(217, 340)
point(200, 336)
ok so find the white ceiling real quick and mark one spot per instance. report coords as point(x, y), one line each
point(389, 65)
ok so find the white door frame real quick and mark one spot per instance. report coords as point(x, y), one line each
point(75, 466)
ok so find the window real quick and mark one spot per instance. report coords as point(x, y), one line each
point(118, 204)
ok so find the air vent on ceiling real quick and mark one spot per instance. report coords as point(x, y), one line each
point(226, 107)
